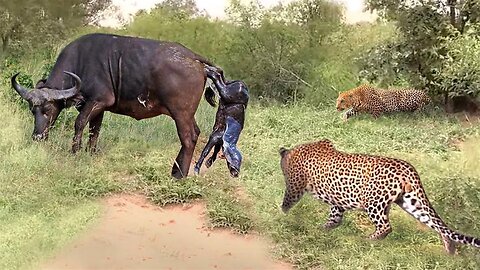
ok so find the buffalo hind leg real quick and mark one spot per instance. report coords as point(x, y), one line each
point(188, 133)
point(94, 131)
point(197, 128)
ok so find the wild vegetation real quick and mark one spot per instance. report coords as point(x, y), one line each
point(426, 52)
point(295, 59)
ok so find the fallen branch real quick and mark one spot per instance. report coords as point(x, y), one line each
point(296, 76)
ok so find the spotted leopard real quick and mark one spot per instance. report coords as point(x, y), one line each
point(368, 99)
point(360, 181)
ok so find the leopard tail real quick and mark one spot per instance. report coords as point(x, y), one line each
point(415, 202)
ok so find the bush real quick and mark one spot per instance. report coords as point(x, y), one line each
point(460, 75)
point(30, 70)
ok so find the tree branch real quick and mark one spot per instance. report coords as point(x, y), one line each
point(296, 76)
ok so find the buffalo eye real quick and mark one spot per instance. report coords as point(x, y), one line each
point(45, 112)
point(47, 108)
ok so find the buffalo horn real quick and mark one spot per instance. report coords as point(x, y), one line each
point(66, 93)
point(20, 89)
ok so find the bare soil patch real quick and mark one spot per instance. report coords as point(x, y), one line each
point(468, 119)
point(134, 234)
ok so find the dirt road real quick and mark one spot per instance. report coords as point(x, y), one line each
point(134, 234)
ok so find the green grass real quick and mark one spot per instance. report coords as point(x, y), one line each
point(451, 179)
point(47, 195)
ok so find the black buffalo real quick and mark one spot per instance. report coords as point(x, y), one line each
point(132, 76)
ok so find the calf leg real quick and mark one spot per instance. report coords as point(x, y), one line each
point(212, 159)
point(94, 125)
point(187, 132)
point(213, 140)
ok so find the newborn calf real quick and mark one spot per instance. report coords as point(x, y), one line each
point(228, 122)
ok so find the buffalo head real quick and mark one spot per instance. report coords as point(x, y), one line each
point(45, 103)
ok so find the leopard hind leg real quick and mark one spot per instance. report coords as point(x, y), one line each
point(378, 214)
point(335, 217)
point(377, 205)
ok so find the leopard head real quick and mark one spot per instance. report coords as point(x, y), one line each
point(344, 100)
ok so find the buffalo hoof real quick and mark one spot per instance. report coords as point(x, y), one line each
point(92, 151)
point(177, 173)
point(76, 147)
point(39, 137)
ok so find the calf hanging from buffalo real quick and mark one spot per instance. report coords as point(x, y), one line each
point(229, 121)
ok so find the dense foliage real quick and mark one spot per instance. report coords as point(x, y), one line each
point(277, 52)
point(294, 52)
point(289, 53)
point(26, 26)
point(435, 48)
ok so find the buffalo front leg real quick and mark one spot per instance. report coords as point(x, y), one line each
point(188, 133)
point(94, 126)
point(90, 110)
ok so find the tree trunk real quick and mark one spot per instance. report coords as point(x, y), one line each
point(453, 17)
point(4, 47)
point(4, 43)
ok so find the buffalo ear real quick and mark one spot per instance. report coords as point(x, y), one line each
point(20, 89)
point(40, 83)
